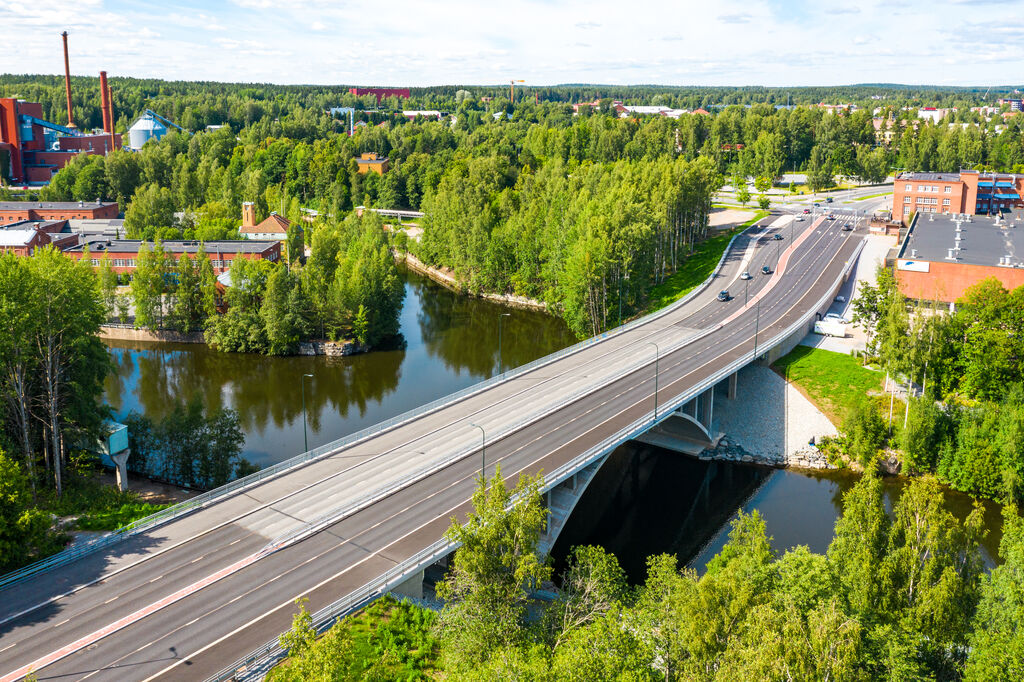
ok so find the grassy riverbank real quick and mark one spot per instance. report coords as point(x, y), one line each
point(834, 382)
point(697, 267)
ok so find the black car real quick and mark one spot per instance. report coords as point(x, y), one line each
point(828, 200)
point(777, 237)
point(723, 295)
point(766, 270)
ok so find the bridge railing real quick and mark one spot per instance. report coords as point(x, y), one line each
point(256, 665)
point(210, 497)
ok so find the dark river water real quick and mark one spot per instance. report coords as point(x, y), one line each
point(644, 500)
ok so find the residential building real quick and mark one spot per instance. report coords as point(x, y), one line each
point(943, 255)
point(370, 163)
point(1014, 104)
point(965, 192)
point(124, 253)
point(273, 227)
point(14, 211)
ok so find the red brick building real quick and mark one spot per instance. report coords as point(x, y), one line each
point(23, 238)
point(124, 253)
point(944, 255)
point(16, 211)
point(965, 192)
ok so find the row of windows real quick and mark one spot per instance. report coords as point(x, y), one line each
point(130, 262)
point(948, 189)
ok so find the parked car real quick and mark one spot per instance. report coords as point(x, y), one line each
point(746, 275)
point(831, 216)
point(766, 270)
point(723, 295)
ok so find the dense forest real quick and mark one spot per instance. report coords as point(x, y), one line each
point(583, 212)
point(900, 594)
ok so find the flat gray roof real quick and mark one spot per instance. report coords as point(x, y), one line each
point(983, 241)
point(939, 177)
point(179, 246)
point(56, 205)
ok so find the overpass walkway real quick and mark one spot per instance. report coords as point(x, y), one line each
point(213, 581)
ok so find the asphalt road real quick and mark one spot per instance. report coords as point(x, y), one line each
point(532, 427)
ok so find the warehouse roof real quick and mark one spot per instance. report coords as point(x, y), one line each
point(182, 246)
point(51, 205)
point(982, 240)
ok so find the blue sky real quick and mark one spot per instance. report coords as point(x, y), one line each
point(423, 42)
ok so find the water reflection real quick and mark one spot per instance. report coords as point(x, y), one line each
point(448, 342)
point(646, 500)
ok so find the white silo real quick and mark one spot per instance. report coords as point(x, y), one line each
point(145, 129)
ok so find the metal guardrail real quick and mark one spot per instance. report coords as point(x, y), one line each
point(210, 497)
point(256, 665)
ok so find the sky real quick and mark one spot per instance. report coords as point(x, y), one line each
point(544, 42)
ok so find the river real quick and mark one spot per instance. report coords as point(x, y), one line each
point(644, 501)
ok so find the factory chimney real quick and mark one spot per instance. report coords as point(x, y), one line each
point(67, 80)
point(105, 101)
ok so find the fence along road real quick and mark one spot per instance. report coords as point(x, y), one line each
point(242, 610)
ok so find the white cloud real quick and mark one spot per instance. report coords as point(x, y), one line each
point(729, 42)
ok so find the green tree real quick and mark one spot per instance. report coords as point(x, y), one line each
point(19, 364)
point(997, 639)
point(148, 285)
point(150, 214)
point(492, 572)
point(108, 285)
point(25, 533)
point(743, 195)
point(865, 431)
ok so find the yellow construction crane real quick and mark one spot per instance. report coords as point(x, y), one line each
point(512, 89)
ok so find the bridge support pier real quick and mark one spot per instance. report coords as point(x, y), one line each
point(707, 404)
point(730, 392)
point(412, 587)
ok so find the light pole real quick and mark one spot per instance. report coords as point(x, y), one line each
point(501, 365)
point(757, 323)
point(483, 454)
point(746, 290)
point(657, 354)
point(305, 442)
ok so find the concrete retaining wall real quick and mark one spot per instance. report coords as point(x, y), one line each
point(130, 334)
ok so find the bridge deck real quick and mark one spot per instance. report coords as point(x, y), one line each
point(535, 422)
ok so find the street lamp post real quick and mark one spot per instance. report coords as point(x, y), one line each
point(501, 365)
point(657, 354)
point(757, 323)
point(305, 441)
point(483, 454)
point(746, 291)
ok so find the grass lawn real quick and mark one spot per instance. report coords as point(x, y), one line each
point(97, 506)
point(870, 196)
point(388, 640)
point(833, 381)
point(696, 268)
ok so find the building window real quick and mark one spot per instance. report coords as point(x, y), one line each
point(906, 200)
point(95, 262)
point(948, 189)
point(908, 188)
point(945, 202)
point(906, 210)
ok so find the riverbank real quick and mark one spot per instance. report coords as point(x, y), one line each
point(308, 348)
point(446, 278)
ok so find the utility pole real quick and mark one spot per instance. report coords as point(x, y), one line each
point(757, 324)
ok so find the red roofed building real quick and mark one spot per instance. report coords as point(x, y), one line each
point(274, 227)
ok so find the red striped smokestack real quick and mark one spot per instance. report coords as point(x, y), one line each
point(105, 101)
point(110, 115)
point(67, 80)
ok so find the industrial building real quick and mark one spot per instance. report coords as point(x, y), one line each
point(124, 253)
point(964, 192)
point(943, 255)
point(14, 211)
point(36, 149)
